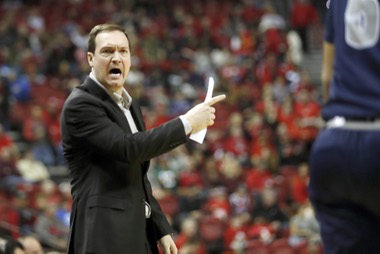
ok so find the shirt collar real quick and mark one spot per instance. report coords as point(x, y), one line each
point(115, 96)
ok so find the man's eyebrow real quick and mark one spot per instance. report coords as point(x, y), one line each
point(114, 46)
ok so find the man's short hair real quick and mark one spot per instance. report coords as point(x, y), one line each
point(104, 28)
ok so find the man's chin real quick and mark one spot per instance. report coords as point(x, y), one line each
point(114, 85)
point(117, 84)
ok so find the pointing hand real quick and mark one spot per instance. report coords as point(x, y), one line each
point(203, 114)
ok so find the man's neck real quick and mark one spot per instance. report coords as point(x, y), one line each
point(118, 90)
point(128, 98)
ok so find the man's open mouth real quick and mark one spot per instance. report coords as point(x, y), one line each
point(115, 72)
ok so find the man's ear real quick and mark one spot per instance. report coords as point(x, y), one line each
point(90, 58)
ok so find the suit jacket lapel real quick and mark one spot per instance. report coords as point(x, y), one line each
point(137, 116)
point(91, 87)
point(140, 124)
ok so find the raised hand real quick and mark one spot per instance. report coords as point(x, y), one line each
point(203, 114)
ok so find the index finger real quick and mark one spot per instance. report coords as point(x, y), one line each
point(215, 99)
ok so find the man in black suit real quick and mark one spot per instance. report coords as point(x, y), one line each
point(108, 150)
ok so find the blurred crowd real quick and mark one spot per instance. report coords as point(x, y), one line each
point(244, 188)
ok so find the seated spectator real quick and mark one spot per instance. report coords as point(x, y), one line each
point(258, 176)
point(291, 151)
point(189, 235)
point(36, 134)
point(9, 175)
point(20, 86)
point(304, 227)
point(53, 110)
point(280, 89)
point(32, 170)
point(241, 200)
point(235, 235)
point(231, 173)
point(6, 142)
point(217, 204)
point(34, 124)
point(307, 110)
point(42, 149)
point(9, 219)
point(295, 51)
point(298, 184)
point(267, 209)
point(11, 246)
point(52, 232)
point(261, 229)
point(23, 216)
point(31, 245)
point(191, 198)
point(235, 142)
point(271, 19)
point(263, 150)
point(46, 195)
point(192, 248)
point(166, 177)
point(65, 204)
point(210, 173)
point(190, 176)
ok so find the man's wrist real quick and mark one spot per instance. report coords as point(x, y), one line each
point(186, 124)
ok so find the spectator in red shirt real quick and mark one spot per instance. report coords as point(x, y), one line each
point(5, 141)
point(257, 177)
point(189, 237)
point(235, 142)
point(267, 69)
point(217, 204)
point(299, 183)
point(53, 128)
point(303, 15)
point(34, 124)
point(231, 173)
point(287, 116)
point(235, 235)
point(190, 176)
point(307, 110)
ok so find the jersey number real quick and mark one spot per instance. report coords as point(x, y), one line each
point(362, 22)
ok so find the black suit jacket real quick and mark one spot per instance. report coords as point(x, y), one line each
point(108, 166)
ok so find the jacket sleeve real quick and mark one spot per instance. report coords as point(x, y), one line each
point(89, 124)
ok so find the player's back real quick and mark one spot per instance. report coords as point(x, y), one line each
point(353, 27)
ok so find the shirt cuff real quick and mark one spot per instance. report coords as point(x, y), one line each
point(186, 124)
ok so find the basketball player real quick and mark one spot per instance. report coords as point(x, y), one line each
point(345, 160)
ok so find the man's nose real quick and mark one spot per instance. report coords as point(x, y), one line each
point(116, 57)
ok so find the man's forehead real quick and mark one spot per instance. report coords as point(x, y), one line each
point(112, 39)
point(114, 45)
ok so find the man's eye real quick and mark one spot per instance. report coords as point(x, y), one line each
point(124, 51)
point(106, 52)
